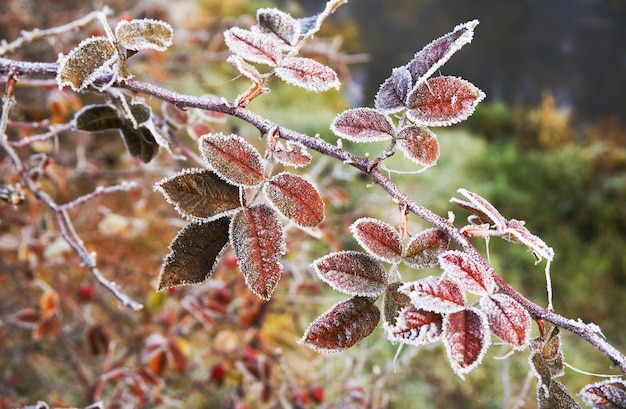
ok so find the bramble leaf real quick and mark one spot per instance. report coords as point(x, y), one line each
point(94, 118)
point(272, 20)
point(296, 198)
point(233, 159)
point(294, 154)
point(549, 347)
point(608, 394)
point(342, 326)
point(247, 70)
point(419, 144)
point(194, 253)
point(391, 97)
point(442, 101)
point(378, 238)
point(143, 34)
point(307, 73)
point(140, 142)
point(200, 194)
point(393, 302)
point(352, 272)
point(470, 275)
point(466, 338)
point(507, 319)
point(92, 58)
point(259, 242)
point(254, 46)
point(415, 326)
point(425, 247)
point(438, 52)
point(435, 294)
point(363, 125)
point(479, 206)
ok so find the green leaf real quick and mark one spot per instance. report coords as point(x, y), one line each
point(94, 118)
point(194, 253)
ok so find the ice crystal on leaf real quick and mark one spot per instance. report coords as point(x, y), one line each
point(232, 158)
point(142, 34)
point(307, 73)
point(352, 272)
point(466, 338)
point(92, 58)
point(435, 294)
point(472, 276)
point(378, 238)
point(296, 198)
point(363, 125)
point(507, 319)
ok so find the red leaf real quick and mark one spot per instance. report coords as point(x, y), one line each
point(419, 144)
point(480, 207)
point(352, 272)
point(256, 47)
point(363, 125)
point(295, 154)
point(342, 326)
point(307, 73)
point(378, 238)
point(259, 242)
point(443, 101)
point(507, 319)
point(609, 394)
point(466, 338)
point(437, 52)
point(296, 198)
point(393, 302)
point(435, 294)
point(416, 327)
point(391, 96)
point(517, 232)
point(424, 249)
point(194, 253)
point(233, 159)
point(472, 276)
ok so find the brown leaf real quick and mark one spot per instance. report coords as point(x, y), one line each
point(608, 394)
point(233, 159)
point(419, 144)
point(363, 125)
point(424, 248)
point(93, 57)
point(393, 302)
point(378, 238)
point(296, 198)
point(143, 34)
point(352, 272)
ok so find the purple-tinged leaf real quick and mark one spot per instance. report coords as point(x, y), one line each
point(472, 276)
point(143, 34)
point(435, 294)
point(378, 238)
point(415, 327)
point(436, 53)
point(200, 194)
point(259, 242)
point(296, 198)
point(424, 249)
point(311, 25)
point(466, 338)
point(92, 58)
point(272, 20)
point(363, 125)
point(233, 159)
point(393, 302)
point(194, 253)
point(342, 326)
point(391, 96)
point(507, 319)
point(443, 101)
point(255, 47)
point(307, 73)
point(295, 154)
point(418, 144)
point(608, 394)
point(352, 272)
point(479, 206)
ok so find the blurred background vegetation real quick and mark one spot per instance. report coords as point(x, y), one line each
point(547, 146)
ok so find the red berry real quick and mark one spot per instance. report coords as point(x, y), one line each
point(86, 292)
point(218, 372)
point(316, 393)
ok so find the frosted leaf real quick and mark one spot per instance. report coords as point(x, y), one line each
point(507, 319)
point(472, 276)
point(608, 394)
point(295, 154)
point(173, 115)
point(549, 348)
point(233, 159)
point(443, 101)
point(307, 73)
point(258, 240)
point(378, 238)
point(425, 247)
point(254, 46)
point(480, 207)
point(272, 20)
point(311, 25)
point(199, 194)
point(363, 125)
point(295, 198)
point(342, 326)
point(466, 338)
point(194, 253)
point(247, 70)
point(352, 272)
point(393, 302)
point(430, 58)
point(435, 294)
point(94, 118)
point(517, 232)
point(391, 97)
point(416, 327)
point(142, 34)
point(418, 144)
point(92, 58)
